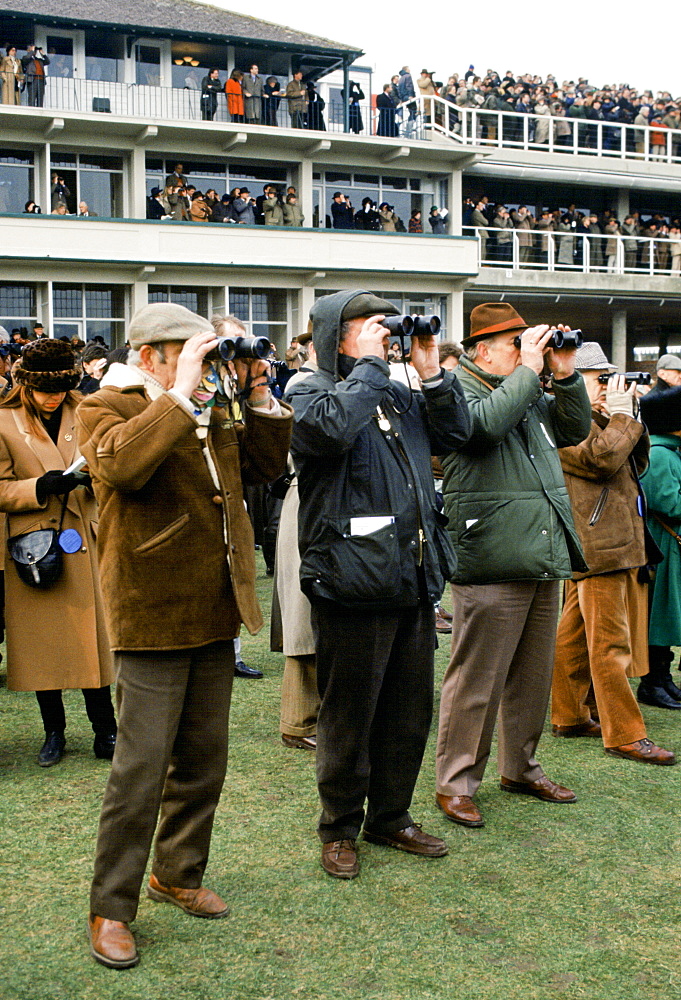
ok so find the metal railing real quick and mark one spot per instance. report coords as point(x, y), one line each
point(548, 250)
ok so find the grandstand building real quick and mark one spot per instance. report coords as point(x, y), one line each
point(122, 106)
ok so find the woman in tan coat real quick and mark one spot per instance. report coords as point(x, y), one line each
point(12, 77)
point(56, 637)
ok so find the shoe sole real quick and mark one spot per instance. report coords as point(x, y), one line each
point(343, 875)
point(540, 798)
point(161, 897)
point(641, 760)
point(294, 744)
point(376, 838)
point(111, 963)
point(573, 736)
point(49, 763)
point(473, 823)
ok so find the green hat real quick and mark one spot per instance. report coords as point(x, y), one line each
point(368, 304)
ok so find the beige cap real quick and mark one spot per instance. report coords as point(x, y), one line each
point(164, 321)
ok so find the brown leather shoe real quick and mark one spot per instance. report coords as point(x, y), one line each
point(339, 858)
point(411, 839)
point(460, 809)
point(199, 902)
point(543, 788)
point(644, 750)
point(443, 625)
point(299, 742)
point(111, 943)
point(588, 728)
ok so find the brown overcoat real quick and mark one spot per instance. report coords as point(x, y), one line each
point(604, 493)
point(168, 578)
point(56, 638)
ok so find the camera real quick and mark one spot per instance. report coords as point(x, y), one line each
point(568, 340)
point(411, 326)
point(230, 348)
point(640, 378)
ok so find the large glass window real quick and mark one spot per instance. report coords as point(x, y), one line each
point(405, 194)
point(60, 53)
point(17, 307)
point(104, 56)
point(88, 311)
point(96, 180)
point(206, 174)
point(263, 311)
point(198, 300)
point(16, 181)
point(148, 65)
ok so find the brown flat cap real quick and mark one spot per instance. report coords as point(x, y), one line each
point(493, 317)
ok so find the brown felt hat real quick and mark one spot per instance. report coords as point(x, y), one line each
point(48, 366)
point(493, 317)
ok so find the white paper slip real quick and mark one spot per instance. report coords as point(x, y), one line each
point(473, 520)
point(76, 466)
point(367, 525)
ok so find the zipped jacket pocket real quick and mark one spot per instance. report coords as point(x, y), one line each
point(600, 504)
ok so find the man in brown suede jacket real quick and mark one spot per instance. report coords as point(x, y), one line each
point(177, 571)
point(603, 631)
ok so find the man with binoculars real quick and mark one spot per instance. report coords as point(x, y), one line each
point(178, 578)
point(374, 560)
point(512, 528)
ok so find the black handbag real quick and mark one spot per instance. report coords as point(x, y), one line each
point(37, 555)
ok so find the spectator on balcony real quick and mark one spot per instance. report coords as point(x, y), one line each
point(367, 217)
point(630, 229)
point(252, 87)
point(523, 222)
point(387, 123)
point(642, 118)
point(271, 98)
point(178, 208)
point(544, 225)
point(33, 65)
point(542, 123)
point(597, 249)
point(427, 90)
point(479, 220)
point(84, 210)
point(437, 221)
point(273, 210)
point(293, 213)
point(259, 202)
point(675, 248)
point(211, 86)
point(211, 199)
point(61, 209)
point(198, 209)
point(354, 111)
point(405, 91)
point(235, 97)
point(222, 211)
point(389, 219)
point(177, 178)
point(503, 227)
point(243, 208)
point(612, 231)
point(30, 208)
point(341, 212)
point(12, 76)
point(394, 89)
point(415, 223)
point(155, 207)
point(59, 192)
point(315, 109)
point(658, 138)
point(662, 254)
point(296, 95)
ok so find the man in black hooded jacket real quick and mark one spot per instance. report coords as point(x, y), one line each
point(374, 559)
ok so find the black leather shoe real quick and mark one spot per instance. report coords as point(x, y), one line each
point(657, 696)
point(241, 670)
point(52, 750)
point(104, 746)
point(672, 690)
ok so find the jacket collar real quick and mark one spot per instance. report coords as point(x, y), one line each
point(494, 380)
point(49, 454)
point(666, 441)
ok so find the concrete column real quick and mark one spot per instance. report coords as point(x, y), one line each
point(304, 186)
point(44, 306)
point(455, 329)
point(622, 203)
point(42, 185)
point(306, 299)
point(619, 339)
point(136, 207)
point(455, 206)
point(139, 294)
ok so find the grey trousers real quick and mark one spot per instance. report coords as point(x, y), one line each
point(503, 643)
point(171, 758)
point(375, 678)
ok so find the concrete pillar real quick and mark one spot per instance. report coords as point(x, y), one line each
point(139, 294)
point(622, 203)
point(304, 186)
point(455, 206)
point(306, 297)
point(454, 301)
point(42, 183)
point(619, 339)
point(136, 207)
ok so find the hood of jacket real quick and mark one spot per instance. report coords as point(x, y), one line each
point(326, 323)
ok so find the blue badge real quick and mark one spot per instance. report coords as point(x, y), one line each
point(70, 541)
point(640, 505)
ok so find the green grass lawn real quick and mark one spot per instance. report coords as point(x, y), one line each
point(546, 901)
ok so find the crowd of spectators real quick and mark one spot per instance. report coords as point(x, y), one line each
point(495, 224)
point(381, 218)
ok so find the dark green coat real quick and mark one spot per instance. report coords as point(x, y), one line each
point(505, 496)
point(662, 486)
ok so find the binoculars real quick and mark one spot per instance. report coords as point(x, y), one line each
point(230, 348)
point(569, 340)
point(641, 378)
point(411, 326)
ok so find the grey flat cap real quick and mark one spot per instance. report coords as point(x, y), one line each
point(672, 362)
point(590, 357)
point(164, 321)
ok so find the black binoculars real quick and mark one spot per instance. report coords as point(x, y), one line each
point(412, 326)
point(569, 340)
point(230, 348)
point(641, 378)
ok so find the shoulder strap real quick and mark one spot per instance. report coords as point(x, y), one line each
point(480, 379)
point(665, 526)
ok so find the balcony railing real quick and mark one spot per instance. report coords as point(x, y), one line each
point(581, 252)
point(420, 118)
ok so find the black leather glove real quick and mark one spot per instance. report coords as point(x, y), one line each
point(55, 484)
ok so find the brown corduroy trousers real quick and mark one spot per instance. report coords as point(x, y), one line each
point(299, 696)
point(602, 638)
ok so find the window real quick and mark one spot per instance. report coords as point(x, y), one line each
point(17, 307)
point(87, 311)
point(96, 180)
point(404, 194)
point(263, 312)
point(198, 300)
point(16, 181)
point(104, 56)
point(206, 174)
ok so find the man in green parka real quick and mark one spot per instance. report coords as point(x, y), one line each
point(661, 412)
point(511, 524)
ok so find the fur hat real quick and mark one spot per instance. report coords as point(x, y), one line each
point(493, 317)
point(661, 410)
point(48, 366)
